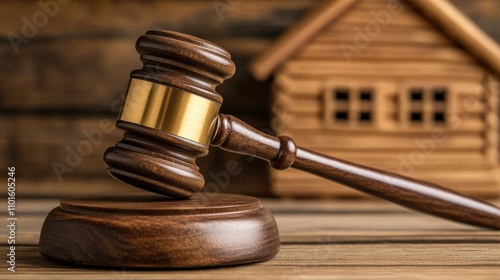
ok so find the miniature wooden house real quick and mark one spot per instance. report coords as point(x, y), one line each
point(405, 86)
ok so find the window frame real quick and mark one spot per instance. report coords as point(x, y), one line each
point(428, 106)
point(355, 106)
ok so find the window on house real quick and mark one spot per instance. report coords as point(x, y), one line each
point(416, 94)
point(366, 94)
point(416, 116)
point(342, 94)
point(425, 107)
point(341, 115)
point(439, 109)
point(349, 105)
point(365, 116)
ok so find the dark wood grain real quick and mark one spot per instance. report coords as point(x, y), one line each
point(183, 61)
point(320, 240)
point(236, 136)
point(152, 159)
point(147, 230)
point(156, 161)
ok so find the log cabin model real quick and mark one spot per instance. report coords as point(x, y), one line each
point(406, 86)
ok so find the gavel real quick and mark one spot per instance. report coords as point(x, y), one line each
point(170, 117)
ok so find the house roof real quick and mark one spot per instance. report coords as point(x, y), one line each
point(441, 12)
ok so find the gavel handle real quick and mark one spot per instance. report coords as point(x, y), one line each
point(236, 136)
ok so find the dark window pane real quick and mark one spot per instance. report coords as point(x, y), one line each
point(365, 116)
point(341, 115)
point(416, 116)
point(440, 94)
point(366, 94)
point(439, 117)
point(342, 94)
point(416, 94)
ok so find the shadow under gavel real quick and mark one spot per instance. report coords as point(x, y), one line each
point(170, 117)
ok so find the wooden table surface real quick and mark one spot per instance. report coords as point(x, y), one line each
point(325, 239)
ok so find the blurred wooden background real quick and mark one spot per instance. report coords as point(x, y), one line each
point(71, 75)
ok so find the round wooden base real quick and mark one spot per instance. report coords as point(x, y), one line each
point(146, 230)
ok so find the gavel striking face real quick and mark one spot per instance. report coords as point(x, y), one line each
point(170, 117)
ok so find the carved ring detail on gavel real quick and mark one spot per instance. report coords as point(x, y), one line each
point(170, 117)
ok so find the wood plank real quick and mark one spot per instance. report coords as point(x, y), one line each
point(417, 136)
point(313, 123)
point(390, 261)
point(386, 52)
point(50, 188)
point(405, 16)
point(463, 174)
point(425, 164)
point(321, 206)
point(320, 238)
point(320, 188)
point(435, 157)
point(131, 18)
point(92, 78)
point(329, 68)
point(389, 35)
point(386, 142)
point(372, 4)
point(44, 145)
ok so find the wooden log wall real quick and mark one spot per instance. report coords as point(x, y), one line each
point(65, 66)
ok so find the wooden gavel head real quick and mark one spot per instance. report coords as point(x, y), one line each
point(169, 113)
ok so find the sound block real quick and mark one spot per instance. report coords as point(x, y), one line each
point(146, 230)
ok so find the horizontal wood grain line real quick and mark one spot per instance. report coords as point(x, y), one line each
point(461, 176)
point(359, 255)
point(131, 18)
point(418, 134)
point(53, 147)
point(422, 38)
point(403, 142)
point(486, 190)
point(382, 52)
point(308, 123)
point(417, 137)
point(293, 86)
point(466, 157)
point(325, 68)
point(365, 17)
point(413, 238)
point(79, 79)
point(427, 166)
